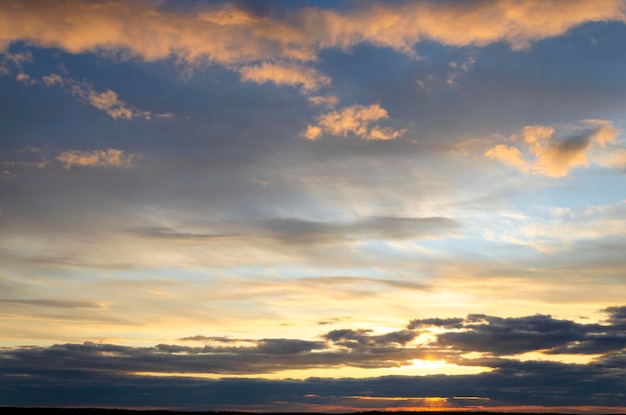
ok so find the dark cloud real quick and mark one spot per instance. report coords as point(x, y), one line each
point(616, 316)
point(511, 335)
point(438, 322)
point(288, 346)
point(304, 231)
point(167, 233)
point(503, 336)
point(346, 347)
point(514, 383)
point(291, 230)
point(362, 338)
point(77, 374)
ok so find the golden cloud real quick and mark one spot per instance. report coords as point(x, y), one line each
point(100, 158)
point(225, 34)
point(355, 120)
point(542, 151)
point(284, 74)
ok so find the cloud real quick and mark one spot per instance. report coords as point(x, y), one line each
point(541, 150)
point(107, 101)
point(361, 338)
point(288, 346)
point(304, 231)
point(62, 371)
point(284, 74)
point(453, 323)
point(508, 155)
point(110, 103)
point(15, 60)
point(242, 36)
point(100, 158)
point(504, 336)
point(402, 27)
point(151, 32)
point(570, 228)
point(327, 101)
point(39, 302)
point(25, 79)
point(496, 336)
point(355, 120)
point(299, 231)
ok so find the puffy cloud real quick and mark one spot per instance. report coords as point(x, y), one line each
point(52, 80)
point(25, 79)
point(101, 158)
point(541, 150)
point(508, 155)
point(355, 120)
point(328, 101)
point(285, 74)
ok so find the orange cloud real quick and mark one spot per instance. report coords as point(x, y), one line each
point(355, 120)
point(329, 101)
point(554, 156)
point(517, 22)
point(227, 35)
point(508, 155)
point(96, 158)
point(110, 103)
point(221, 34)
point(284, 74)
point(107, 101)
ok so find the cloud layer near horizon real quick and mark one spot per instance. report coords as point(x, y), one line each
point(494, 341)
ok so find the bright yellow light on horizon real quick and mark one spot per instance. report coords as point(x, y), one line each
point(417, 368)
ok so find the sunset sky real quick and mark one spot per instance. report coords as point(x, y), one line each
point(313, 205)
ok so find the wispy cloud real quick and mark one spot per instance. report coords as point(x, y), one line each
point(285, 74)
point(96, 158)
point(328, 101)
point(107, 101)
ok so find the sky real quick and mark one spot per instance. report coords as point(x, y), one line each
point(326, 206)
